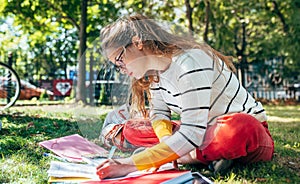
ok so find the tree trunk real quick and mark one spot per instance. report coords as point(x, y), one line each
point(189, 13)
point(244, 57)
point(241, 53)
point(281, 16)
point(81, 91)
point(207, 14)
point(91, 79)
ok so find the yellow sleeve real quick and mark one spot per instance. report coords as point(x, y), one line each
point(162, 128)
point(154, 156)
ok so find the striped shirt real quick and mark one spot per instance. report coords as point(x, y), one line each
point(199, 89)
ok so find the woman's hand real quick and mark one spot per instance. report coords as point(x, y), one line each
point(115, 168)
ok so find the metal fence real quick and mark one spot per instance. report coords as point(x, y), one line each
point(282, 93)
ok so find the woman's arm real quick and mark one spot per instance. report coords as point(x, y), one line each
point(112, 168)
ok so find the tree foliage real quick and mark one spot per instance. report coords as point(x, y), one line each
point(251, 31)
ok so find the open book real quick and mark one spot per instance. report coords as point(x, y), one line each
point(66, 169)
point(86, 172)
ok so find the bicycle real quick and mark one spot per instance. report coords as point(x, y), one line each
point(10, 86)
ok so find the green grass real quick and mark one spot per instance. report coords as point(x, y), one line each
point(23, 128)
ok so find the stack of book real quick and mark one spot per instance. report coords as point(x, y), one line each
point(80, 157)
point(67, 172)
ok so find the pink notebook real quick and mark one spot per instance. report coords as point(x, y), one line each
point(73, 147)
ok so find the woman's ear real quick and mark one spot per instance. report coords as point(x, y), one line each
point(137, 42)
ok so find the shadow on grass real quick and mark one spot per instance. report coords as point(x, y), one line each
point(22, 133)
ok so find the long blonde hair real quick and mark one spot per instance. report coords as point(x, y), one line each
point(155, 38)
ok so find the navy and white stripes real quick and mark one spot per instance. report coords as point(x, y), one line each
point(200, 90)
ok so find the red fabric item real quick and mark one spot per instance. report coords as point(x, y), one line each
point(153, 178)
point(139, 132)
point(237, 136)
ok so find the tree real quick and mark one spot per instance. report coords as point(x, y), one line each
point(287, 16)
point(250, 31)
point(38, 15)
point(81, 95)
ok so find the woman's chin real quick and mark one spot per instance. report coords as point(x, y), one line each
point(142, 74)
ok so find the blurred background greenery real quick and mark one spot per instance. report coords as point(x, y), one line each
point(45, 40)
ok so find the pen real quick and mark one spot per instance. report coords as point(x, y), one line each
point(54, 156)
point(112, 152)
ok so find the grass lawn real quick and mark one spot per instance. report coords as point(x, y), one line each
point(22, 128)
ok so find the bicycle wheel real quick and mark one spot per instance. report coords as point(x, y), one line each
point(9, 86)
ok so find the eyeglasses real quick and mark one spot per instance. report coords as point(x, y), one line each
point(119, 63)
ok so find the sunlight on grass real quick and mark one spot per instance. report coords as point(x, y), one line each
point(291, 113)
point(283, 119)
point(18, 169)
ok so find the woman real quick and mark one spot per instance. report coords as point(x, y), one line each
point(220, 122)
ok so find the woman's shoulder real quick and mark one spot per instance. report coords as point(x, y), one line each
point(192, 57)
